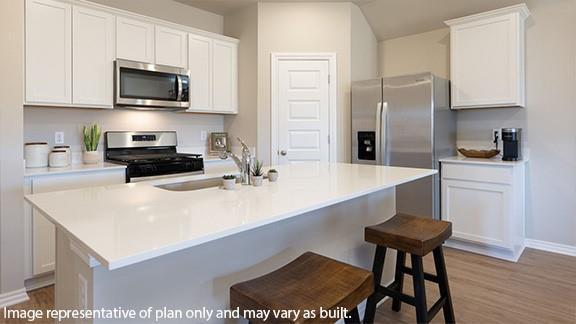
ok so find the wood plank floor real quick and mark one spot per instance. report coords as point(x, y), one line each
point(540, 288)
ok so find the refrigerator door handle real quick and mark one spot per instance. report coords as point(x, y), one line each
point(384, 133)
point(378, 133)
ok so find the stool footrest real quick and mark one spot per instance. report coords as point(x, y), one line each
point(388, 292)
point(436, 308)
point(427, 276)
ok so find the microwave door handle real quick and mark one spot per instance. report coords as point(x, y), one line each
point(378, 133)
point(179, 80)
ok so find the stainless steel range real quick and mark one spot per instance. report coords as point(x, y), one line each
point(150, 155)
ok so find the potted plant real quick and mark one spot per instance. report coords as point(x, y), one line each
point(229, 181)
point(272, 175)
point(91, 136)
point(257, 174)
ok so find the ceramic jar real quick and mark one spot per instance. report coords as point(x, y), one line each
point(36, 154)
point(229, 184)
point(68, 152)
point(272, 176)
point(58, 159)
point(257, 180)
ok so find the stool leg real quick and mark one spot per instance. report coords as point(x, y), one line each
point(419, 289)
point(399, 279)
point(443, 285)
point(354, 317)
point(377, 269)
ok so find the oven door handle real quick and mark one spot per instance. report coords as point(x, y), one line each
point(179, 80)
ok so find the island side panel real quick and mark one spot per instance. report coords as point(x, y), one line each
point(201, 276)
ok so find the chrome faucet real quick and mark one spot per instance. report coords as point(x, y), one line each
point(243, 163)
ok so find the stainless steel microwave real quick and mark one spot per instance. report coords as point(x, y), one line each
point(148, 86)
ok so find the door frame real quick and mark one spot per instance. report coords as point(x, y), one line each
point(275, 59)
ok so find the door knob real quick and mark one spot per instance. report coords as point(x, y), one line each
point(283, 153)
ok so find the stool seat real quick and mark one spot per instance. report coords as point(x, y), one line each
point(410, 234)
point(309, 282)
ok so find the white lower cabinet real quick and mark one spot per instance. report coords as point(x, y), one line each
point(40, 233)
point(485, 203)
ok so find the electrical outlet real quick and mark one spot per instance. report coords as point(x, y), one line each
point(59, 137)
point(82, 292)
point(203, 135)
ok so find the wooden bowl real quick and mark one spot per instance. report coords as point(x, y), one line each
point(482, 154)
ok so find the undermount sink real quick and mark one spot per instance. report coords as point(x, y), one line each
point(194, 184)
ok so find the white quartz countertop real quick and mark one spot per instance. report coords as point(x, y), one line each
point(74, 168)
point(492, 161)
point(124, 224)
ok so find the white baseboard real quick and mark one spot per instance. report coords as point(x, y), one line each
point(39, 281)
point(551, 247)
point(13, 298)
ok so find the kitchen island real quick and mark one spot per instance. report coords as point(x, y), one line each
point(140, 245)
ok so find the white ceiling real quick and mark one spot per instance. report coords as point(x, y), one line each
point(388, 18)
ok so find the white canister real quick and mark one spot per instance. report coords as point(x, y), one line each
point(58, 159)
point(68, 152)
point(36, 154)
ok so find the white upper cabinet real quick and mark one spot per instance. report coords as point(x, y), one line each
point(225, 76)
point(93, 59)
point(171, 47)
point(487, 59)
point(200, 66)
point(48, 52)
point(134, 40)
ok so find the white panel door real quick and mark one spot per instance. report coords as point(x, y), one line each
point(225, 76)
point(303, 111)
point(134, 40)
point(48, 52)
point(171, 47)
point(93, 58)
point(200, 66)
point(43, 234)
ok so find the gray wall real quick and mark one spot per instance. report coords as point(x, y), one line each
point(11, 165)
point(548, 120)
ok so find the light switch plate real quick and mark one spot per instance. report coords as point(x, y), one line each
point(59, 137)
point(203, 135)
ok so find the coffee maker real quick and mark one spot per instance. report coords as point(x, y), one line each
point(512, 144)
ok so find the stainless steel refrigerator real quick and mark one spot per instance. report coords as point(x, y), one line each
point(405, 121)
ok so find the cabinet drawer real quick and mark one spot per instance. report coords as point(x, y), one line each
point(475, 172)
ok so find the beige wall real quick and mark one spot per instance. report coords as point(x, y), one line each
point(11, 165)
point(364, 47)
point(426, 52)
point(548, 119)
point(172, 11)
point(297, 28)
point(243, 24)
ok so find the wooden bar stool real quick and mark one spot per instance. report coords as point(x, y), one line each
point(310, 282)
point(417, 236)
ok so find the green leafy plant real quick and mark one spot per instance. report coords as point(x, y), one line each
point(257, 169)
point(229, 177)
point(91, 137)
point(272, 171)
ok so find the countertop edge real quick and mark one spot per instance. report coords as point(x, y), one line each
point(75, 168)
point(480, 161)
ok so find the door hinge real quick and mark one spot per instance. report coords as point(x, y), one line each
point(329, 79)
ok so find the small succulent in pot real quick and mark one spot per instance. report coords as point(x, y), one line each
point(272, 175)
point(91, 138)
point(257, 173)
point(229, 181)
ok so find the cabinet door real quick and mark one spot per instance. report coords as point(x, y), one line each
point(479, 212)
point(134, 40)
point(48, 52)
point(486, 67)
point(171, 47)
point(43, 234)
point(200, 66)
point(93, 58)
point(225, 76)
